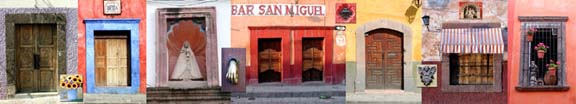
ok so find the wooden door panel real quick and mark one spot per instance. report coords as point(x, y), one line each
point(46, 35)
point(100, 61)
point(25, 34)
point(374, 63)
point(393, 57)
point(26, 45)
point(46, 79)
point(116, 58)
point(47, 57)
point(27, 79)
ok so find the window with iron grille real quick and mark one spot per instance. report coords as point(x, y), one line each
point(471, 69)
point(534, 72)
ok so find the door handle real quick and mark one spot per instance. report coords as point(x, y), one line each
point(36, 61)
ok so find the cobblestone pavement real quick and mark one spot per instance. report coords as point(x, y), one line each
point(384, 98)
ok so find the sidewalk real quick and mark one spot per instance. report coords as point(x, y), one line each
point(384, 97)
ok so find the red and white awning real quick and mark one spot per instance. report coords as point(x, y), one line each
point(472, 40)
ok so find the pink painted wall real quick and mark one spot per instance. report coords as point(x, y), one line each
point(541, 8)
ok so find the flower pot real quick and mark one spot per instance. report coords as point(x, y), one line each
point(529, 37)
point(550, 78)
point(541, 54)
point(72, 94)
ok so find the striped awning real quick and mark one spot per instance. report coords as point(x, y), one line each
point(472, 40)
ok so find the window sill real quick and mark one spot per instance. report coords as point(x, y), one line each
point(542, 88)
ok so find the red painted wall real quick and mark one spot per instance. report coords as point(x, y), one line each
point(434, 95)
point(92, 9)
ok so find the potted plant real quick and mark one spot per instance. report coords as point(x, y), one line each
point(530, 34)
point(550, 78)
point(541, 48)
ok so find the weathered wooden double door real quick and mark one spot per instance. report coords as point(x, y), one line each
point(111, 57)
point(384, 61)
point(36, 57)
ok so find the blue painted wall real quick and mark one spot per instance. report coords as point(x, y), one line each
point(112, 24)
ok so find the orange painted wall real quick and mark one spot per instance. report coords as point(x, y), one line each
point(92, 9)
point(241, 34)
point(541, 8)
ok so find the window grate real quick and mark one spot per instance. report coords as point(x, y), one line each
point(471, 69)
point(549, 37)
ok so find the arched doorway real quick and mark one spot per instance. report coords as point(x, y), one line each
point(384, 59)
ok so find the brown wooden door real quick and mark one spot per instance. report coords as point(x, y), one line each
point(384, 60)
point(269, 60)
point(111, 62)
point(36, 57)
point(312, 59)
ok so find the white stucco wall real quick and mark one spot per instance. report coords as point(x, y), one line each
point(38, 3)
point(223, 28)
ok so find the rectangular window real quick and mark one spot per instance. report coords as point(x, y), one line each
point(471, 69)
point(534, 73)
point(112, 58)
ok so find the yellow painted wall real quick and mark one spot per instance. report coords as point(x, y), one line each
point(372, 10)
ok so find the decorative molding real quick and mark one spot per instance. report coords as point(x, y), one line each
point(470, 25)
point(211, 47)
point(543, 18)
point(542, 88)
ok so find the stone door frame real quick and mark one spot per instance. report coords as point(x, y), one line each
point(38, 18)
point(361, 33)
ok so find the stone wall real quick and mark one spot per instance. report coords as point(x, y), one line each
point(447, 11)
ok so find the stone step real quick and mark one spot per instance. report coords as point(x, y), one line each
point(115, 98)
point(188, 95)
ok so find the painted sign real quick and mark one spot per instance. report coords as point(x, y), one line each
point(278, 10)
point(427, 76)
point(346, 13)
point(112, 7)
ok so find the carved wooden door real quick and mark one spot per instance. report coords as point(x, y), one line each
point(384, 61)
point(36, 57)
point(111, 62)
point(313, 59)
point(269, 60)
